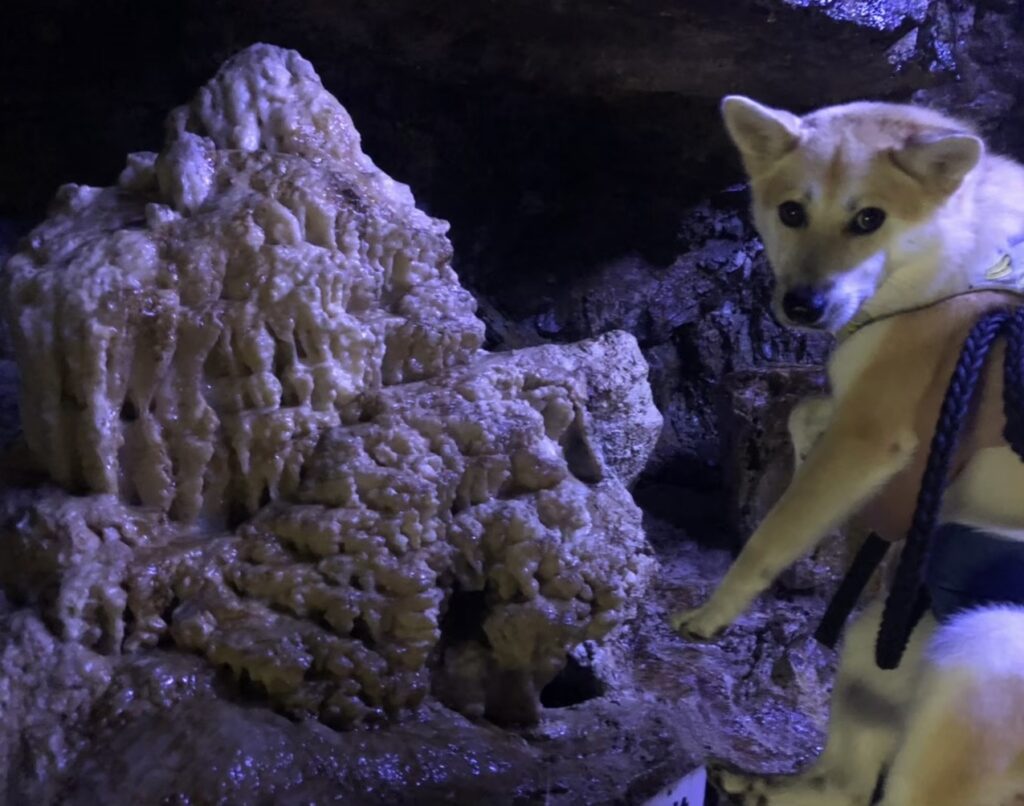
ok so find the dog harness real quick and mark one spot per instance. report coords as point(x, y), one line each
point(934, 570)
point(967, 567)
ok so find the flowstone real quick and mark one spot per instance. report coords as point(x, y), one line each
point(193, 330)
point(273, 440)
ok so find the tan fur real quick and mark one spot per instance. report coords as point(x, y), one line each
point(905, 385)
point(949, 208)
point(944, 769)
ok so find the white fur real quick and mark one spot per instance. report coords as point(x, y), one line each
point(970, 690)
point(853, 288)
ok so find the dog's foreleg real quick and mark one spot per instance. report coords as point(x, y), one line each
point(850, 462)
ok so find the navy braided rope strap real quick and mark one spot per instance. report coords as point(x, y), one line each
point(1013, 384)
point(868, 558)
point(908, 598)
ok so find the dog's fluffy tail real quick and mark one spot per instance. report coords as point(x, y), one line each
point(965, 736)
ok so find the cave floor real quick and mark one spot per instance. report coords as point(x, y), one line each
point(756, 698)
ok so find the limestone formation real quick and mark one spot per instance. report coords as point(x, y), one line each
point(257, 387)
point(194, 329)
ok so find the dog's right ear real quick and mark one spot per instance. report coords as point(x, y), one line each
point(762, 135)
point(941, 161)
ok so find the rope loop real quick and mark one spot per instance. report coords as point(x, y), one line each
point(908, 598)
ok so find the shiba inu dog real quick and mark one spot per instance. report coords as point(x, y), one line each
point(890, 226)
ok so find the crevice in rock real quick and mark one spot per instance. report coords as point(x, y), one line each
point(573, 685)
point(578, 454)
point(463, 618)
point(361, 632)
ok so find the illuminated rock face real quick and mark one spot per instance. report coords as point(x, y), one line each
point(193, 330)
point(253, 358)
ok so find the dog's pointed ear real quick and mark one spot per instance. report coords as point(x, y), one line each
point(940, 162)
point(762, 135)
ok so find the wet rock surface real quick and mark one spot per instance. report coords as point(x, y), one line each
point(167, 727)
point(256, 388)
point(10, 422)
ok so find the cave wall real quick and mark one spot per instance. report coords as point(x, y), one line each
point(575, 147)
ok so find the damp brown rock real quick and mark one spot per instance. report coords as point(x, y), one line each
point(274, 443)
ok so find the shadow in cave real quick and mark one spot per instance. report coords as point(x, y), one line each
point(573, 685)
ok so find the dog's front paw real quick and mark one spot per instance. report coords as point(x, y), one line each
point(701, 623)
point(730, 781)
point(734, 788)
point(737, 788)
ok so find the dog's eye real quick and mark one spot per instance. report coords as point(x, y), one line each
point(867, 221)
point(792, 214)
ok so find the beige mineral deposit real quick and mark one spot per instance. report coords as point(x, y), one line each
point(273, 440)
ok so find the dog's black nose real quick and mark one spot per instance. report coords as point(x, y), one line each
point(804, 305)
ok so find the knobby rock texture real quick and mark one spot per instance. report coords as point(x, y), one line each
point(270, 439)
